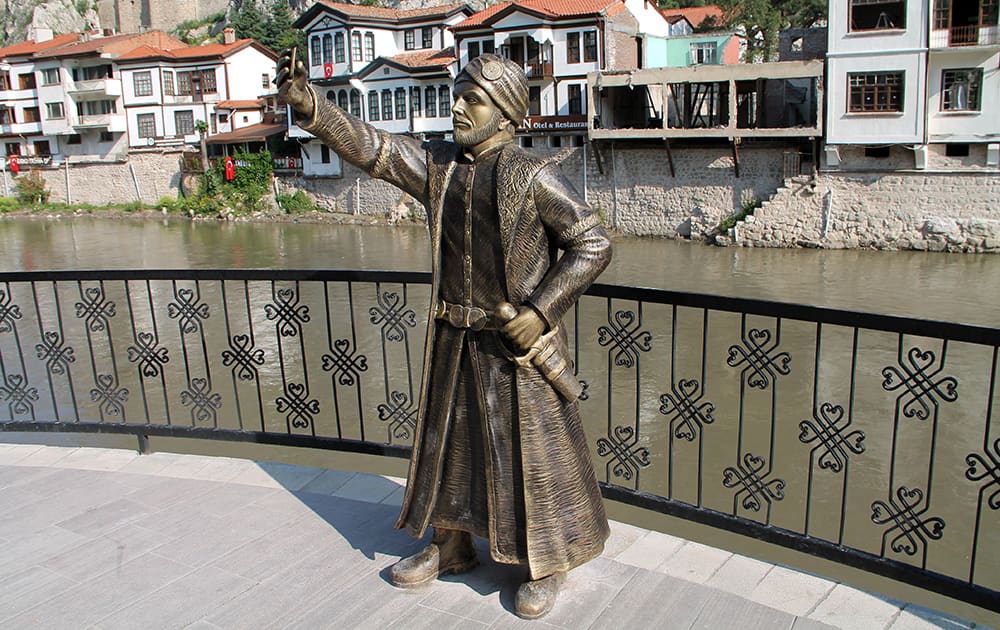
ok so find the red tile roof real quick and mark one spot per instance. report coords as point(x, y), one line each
point(254, 104)
point(193, 52)
point(553, 9)
point(360, 10)
point(24, 49)
point(695, 15)
point(252, 133)
point(425, 59)
point(114, 44)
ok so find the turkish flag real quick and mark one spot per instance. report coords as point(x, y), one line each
point(15, 168)
point(327, 70)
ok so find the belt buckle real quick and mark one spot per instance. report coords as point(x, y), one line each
point(477, 318)
point(454, 315)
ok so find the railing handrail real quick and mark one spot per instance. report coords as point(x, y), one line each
point(936, 329)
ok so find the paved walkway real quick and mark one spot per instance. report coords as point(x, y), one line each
point(102, 538)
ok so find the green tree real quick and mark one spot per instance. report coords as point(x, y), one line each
point(248, 22)
point(279, 33)
point(758, 22)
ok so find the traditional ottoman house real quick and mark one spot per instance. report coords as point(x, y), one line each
point(391, 67)
point(913, 84)
point(167, 91)
point(558, 42)
point(696, 37)
point(28, 113)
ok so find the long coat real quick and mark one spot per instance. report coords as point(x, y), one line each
point(539, 216)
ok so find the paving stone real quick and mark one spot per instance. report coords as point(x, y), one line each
point(166, 491)
point(105, 518)
point(622, 537)
point(328, 482)
point(290, 477)
point(651, 600)
point(225, 498)
point(36, 546)
point(13, 453)
point(739, 575)
point(476, 595)
point(725, 610)
point(852, 609)
point(802, 623)
point(694, 562)
point(371, 488)
point(180, 603)
point(44, 456)
point(650, 551)
point(588, 591)
point(395, 498)
point(87, 603)
point(106, 553)
point(790, 591)
point(431, 618)
point(20, 476)
point(28, 588)
point(107, 459)
point(149, 464)
point(215, 536)
point(914, 617)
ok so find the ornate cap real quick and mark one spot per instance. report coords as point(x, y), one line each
point(503, 80)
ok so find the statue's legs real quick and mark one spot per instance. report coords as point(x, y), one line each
point(451, 551)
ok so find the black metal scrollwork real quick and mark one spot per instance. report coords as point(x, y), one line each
point(301, 410)
point(95, 309)
point(20, 395)
point(828, 428)
point(689, 418)
point(8, 313)
point(147, 352)
point(187, 310)
point(56, 355)
point(750, 477)
point(918, 383)
point(345, 365)
point(204, 404)
point(622, 445)
point(624, 335)
point(986, 466)
point(904, 517)
point(392, 315)
point(401, 415)
point(761, 367)
point(111, 399)
point(289, 313)
point(243, 357)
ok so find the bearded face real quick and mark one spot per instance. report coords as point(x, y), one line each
point(475, 117)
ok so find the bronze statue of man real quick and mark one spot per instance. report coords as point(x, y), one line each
point(499, 451)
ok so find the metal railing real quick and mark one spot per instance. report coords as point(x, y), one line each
point(865, 439)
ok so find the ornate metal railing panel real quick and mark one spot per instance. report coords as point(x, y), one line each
point(869, 440)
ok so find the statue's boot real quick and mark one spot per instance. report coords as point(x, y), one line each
point(535, 598)
point(450, 552)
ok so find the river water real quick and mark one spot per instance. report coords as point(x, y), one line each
point(954, 287)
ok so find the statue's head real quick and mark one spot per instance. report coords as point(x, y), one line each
point(491, 98)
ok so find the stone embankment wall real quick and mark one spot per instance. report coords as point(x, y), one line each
point(147, 176)
point(635, 194)
point(956, 212)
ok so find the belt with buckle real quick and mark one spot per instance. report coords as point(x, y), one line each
point(471, 317)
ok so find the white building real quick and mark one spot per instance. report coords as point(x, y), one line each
point(558, 44)
point(23, 115)
point(81, 91)
point(913, 84)
point(167, 92)
point(391, 67)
